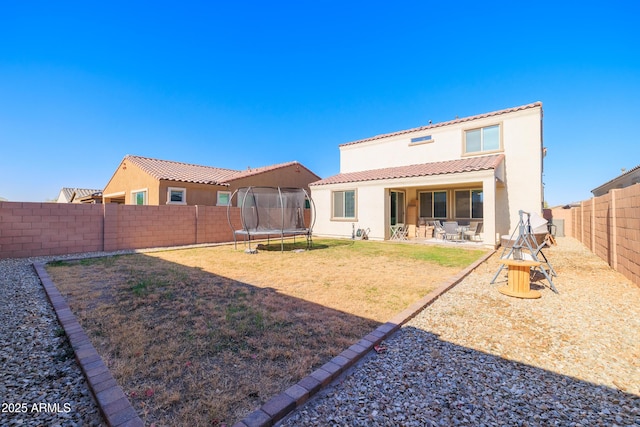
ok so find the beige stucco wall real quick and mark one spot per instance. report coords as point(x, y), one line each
point(197, 194)
point(294, 175)
point(370, 204)
point(523, 164)
point(129, 177)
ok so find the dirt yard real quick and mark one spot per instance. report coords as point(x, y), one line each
point(205, 335)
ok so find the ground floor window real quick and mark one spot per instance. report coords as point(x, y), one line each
point(344, 204)
point(469, 204)
point(433, 204)
point(224, 197)
point(139, 197)
point(176, 196)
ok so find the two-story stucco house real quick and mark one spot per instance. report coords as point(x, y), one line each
point(480, 168)
point(146, 181)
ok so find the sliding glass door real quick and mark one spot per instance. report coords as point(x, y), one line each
point(397, 207)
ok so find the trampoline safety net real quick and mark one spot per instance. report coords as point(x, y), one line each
point(272, 211)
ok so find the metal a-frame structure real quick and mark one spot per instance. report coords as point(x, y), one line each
point(526, 241)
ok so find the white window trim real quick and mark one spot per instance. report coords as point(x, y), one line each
point(146, 196)
point(184, 195)
point(446, 207)
point(481, 151)
point(355, 205)
point(228, 193)
point(426, 141)
point(469, 214)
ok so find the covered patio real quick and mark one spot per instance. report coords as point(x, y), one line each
point(401, 203)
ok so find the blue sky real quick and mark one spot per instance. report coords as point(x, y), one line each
point(237, 84)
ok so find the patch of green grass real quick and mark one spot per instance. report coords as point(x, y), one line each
point(289, 245)
point(241, 322)
point(342, 249)
point(145, 285)
point(58, 263)
point(244, 319)
point(106, 261)
point(447, 257)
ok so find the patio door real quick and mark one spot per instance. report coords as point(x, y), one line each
point(397, 207)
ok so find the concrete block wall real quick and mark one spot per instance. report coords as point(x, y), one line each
point(40, 229)
point(36, 229)
point(587, 225)
point(560, 214)
point(154, 226)
point(213, 225)
point(602, 241)
point(627, 211)
point(609, 226)
point(577, 223)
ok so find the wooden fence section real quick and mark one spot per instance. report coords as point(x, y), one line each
point(40, 229)
point(609, 226)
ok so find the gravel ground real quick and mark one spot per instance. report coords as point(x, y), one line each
point(40, 381)
point(476, 357)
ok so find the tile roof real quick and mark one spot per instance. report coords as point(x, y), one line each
point(450, 122)
point(257, 171)
point(77, 193)
point(184, 172)
point(471, 164)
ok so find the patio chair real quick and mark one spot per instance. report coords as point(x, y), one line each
point(438, 230)
point(475, 228)
point(399, 232)
point(451, 230)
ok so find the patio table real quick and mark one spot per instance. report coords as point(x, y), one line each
point(461, 230)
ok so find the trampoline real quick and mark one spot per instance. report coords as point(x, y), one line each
point(267, 212)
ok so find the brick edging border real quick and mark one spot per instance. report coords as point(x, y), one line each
point(118, 412)
point(295, 396)
point(111, 400)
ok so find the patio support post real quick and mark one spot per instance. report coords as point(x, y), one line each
point(489, 210)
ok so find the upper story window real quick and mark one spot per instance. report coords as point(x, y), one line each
point(176, 196)
point(344, 204)
point(483, 139)
point(421, 139)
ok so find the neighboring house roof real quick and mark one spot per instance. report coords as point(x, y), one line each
point(630, 177)
point(425, 169)
point(184, 172)
point(451, 122)
point(257, 171)
point(70, 194)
